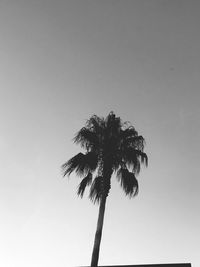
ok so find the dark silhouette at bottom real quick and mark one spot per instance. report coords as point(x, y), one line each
point(151, 265)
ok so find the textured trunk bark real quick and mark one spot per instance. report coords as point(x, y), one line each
point(97, 240)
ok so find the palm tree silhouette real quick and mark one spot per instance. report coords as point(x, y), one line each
point(111, 147)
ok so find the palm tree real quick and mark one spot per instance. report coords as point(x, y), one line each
point(110, 147)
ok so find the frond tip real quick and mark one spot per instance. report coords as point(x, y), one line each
point(85, 182)
point(86, 138)
point(95, 190)
point(128, 182)
point(81, 164)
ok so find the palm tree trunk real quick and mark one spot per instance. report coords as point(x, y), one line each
point(97, 240)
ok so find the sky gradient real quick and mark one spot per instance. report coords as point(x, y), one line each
point(63, 61)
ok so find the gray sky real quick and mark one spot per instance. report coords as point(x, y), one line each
point(63, 61)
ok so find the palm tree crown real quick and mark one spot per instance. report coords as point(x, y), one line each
point(111, 146)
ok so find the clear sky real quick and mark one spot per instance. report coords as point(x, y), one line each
point(63, 61)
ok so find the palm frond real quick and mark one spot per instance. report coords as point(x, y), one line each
point(130, 138)
point(72, 164)
point(81, 164)
point(85, 182)
point(86, 138)
point(96, 189)
point(134, 158)
point(131, 159)
point(129, 132)
point(136, 142)
point(143, 157)
point(113, 125)
point(128, 182)
point(96, 124)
